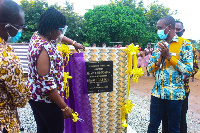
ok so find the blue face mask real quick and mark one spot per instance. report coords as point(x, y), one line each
point(63, 30)
point(161, 34)
point(15, 38)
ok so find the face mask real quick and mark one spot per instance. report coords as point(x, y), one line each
point(179, 33)
point(161, 34)
point(15, 38)
point(63, 30)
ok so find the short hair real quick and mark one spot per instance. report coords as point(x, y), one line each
point(50, 21)
point(9, 11)
point(169, 20)
point(177, 21)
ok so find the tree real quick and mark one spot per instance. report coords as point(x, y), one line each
point(129, 3)
point(154, 13)
point(75, 23)
point(33, 9)
point(114, 23)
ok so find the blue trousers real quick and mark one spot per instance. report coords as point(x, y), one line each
point(173, 109)
point(183, 123)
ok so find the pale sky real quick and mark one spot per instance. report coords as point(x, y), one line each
point(187, 11)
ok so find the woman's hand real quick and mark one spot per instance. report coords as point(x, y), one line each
point(68, 113)
point(79, 46)
point(74, 43)
point(54, 96)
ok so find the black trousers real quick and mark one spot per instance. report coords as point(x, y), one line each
point(5, 131)
point(48, 116)
point(183, 123)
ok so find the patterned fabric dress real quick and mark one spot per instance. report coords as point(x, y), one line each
point(40, 85)
point(140, 60)
point(13, 91)
point(147, 57)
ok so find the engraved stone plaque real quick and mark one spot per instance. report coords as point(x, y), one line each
point(99, 76)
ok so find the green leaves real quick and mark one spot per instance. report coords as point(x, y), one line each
point(34, 8)
point(119, 21)
point(115, 23)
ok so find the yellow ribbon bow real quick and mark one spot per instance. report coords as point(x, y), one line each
point(65, 51)
point(126, 109)
point(75, 116)
point(136, 72)
point(66, 83)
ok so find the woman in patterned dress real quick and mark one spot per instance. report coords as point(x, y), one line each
point(13, 90)
point(148, 51)
point(140, 58)
point(46, 73)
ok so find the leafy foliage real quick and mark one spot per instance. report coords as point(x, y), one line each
point(117, 23)
point(120, 21)
point(33, 10)
point(75, 23)
point(155, 13)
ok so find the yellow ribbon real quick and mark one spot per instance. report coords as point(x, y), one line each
point(65, 52)
point(126, 109)
point(66, 83)
point(75, 116)
point(136, 72)
point(1, 40)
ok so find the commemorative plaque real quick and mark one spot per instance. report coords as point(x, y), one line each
point(99, 76)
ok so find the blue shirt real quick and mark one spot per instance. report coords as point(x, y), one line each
point(169, 82)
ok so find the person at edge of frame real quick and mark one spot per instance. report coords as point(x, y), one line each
point(171, 59)
point(13, 90)
point(179, 29)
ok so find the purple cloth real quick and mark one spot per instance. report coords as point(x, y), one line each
point(78, 96)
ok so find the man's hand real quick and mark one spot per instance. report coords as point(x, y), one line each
point(159, 61)
point(164, 51)
point(79, 46)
